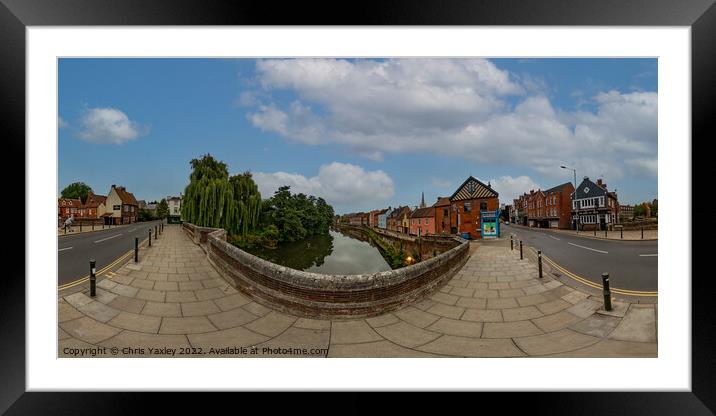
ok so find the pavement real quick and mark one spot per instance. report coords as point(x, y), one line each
point(174, 303)
point(105, 246)
point(632, 265)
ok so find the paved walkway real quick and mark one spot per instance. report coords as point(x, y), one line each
point(173, 300)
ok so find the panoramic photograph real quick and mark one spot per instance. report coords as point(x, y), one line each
point(345, 207)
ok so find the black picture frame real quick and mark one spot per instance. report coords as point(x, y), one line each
point(16, 15)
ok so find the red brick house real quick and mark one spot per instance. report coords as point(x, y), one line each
point(68, 207)
point(94, 206)
point(466, 203)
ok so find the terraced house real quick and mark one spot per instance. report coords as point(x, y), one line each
point(551, 208)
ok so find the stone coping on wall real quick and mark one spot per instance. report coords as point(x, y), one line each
point(322, 295)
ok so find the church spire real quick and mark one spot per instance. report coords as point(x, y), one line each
point(422, 200)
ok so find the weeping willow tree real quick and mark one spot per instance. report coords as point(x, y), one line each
point(213, 199)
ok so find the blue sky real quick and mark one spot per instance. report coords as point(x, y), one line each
point(362, 133)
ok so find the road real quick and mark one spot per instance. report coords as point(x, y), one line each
point(74, 251)
point(631, 265)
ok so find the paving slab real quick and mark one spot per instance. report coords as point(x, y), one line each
point(406, 335)
point(136, 322)
point(555, 342)
point(639, 325)
point(456, 327)
point(509, 329)
point(472, 347)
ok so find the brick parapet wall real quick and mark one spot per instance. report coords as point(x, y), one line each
point(326, 296)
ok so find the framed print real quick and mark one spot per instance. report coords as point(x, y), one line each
point(435, 200)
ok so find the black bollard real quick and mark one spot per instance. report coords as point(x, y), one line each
point(150, 237)
point(606, 230)
point(521, 250)
point(93, 279)
point(511, 243)
point(642, 233)
point(539, 262)
point(80, 227)
point(92, 225)
point(607, 292)
point(65, 228)
point(155, 232)
point(136, 249)
point(595, 231)
point(621, 232)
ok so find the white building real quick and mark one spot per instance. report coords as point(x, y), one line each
point(174, 203)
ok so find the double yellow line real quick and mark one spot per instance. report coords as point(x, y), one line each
point(105, 269)
point(586, 282)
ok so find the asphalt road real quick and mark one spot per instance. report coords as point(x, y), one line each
point(631, 265)
point(105, 246)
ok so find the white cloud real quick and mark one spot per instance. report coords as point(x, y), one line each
point(509, 187)
point(454, 107)
point(61, 123)
point(340, 184)
point(108, 125)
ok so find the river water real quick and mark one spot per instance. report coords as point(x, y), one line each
point(332, 253)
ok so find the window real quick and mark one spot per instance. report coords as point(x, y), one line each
point(116, 207)
point(483, 205)
point(466, 207)
point(427, 221)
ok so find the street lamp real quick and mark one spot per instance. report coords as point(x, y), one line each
point(575, 194)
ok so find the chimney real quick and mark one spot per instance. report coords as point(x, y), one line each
point(113, 186)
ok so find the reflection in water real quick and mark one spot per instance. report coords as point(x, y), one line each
point(332, 253)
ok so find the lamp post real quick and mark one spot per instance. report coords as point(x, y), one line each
point(575, 194)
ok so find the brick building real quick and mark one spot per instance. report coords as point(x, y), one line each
point(68, 207)
point(468, 203)
point(443, 216)
point(551, 208)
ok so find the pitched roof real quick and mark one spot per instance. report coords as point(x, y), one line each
point(398, 212)
point(557, 188)
point(428, 212)
point(69, 202)
point(442, 201)
point(126, 197)
point(93, 201)
point(472, 189)
point(589, 189)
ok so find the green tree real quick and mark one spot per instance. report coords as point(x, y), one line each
point(654, 207)
point(297, 216)
point(162, 209)
point(77, 190)
point(145, 215)
point(213, 199)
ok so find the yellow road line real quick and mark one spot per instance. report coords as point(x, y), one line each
point(103, 270)
point(596, 286)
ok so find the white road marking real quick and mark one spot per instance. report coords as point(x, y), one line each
point(66, 248)
point(551, 236)
point(132, 229)
point(108, 238)
point(587, 248)
point(648, 255)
